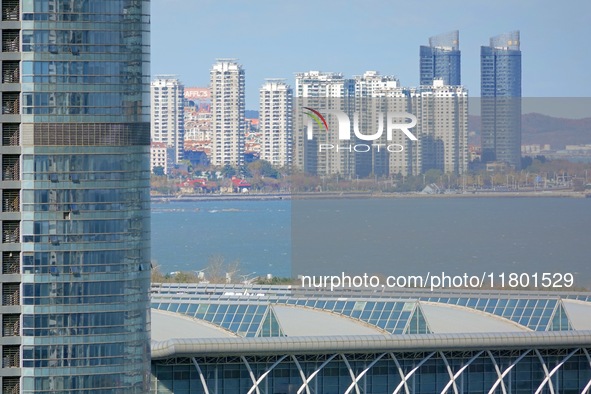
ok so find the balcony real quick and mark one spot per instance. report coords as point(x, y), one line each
point(10, 168)
point(10, 40)
point(10, 103)
point(11, 294)
point(10, 72)
point(11, 385)
point(10, 12)
point(10, 232)
point(11, 263)
point(11, 324)
point(11, 357)
point(11, 200)
point(10, 134)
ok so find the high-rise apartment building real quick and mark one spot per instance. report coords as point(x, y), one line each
point(442, 114)
point(227, 108)
point(275, 123)
point(500, 87)
point(74, 155)
point(371, 102)
point(197, 115)
point(371, 83)
point(441, 60)
point(441, 128)
point(321, 91)
point(369, 105)
point(168, 123)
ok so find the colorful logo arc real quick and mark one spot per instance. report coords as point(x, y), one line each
point(317, 117)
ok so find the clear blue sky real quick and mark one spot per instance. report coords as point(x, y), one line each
point(275, 39)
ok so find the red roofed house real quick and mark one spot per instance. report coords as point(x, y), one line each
point(240, 185)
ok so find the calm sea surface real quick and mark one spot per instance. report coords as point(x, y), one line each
point(392, 236)
point(257, 233)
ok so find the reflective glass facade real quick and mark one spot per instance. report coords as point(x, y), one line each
point(441, 60)
point(258, 319)
point(82, 176)
point(85, 267)
point(517, 371)
point(247, 320)
point(500, 87)
point(536, 312)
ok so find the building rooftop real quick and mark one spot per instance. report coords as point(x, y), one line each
point(507, 41)
point(448, 41)
point(190, 314)
point(167, 325)
point(283, 337)
point(366, 343)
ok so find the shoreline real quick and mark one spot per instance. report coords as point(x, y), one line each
point(363, 195)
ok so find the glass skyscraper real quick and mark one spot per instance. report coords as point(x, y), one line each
point(75, 251)
point(441, 59)
point(500, 87)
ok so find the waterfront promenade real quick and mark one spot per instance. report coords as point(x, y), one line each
point(332, 195)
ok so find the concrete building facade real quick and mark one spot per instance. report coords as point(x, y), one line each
point(321, 91)
point(158, 156)
point(275, 123)
point(168, 111)
point(227, 113)
point(443, 125)
point(371, 102)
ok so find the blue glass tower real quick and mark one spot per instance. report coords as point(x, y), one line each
point(441, 59)
point(75, 196)
point(500, 87)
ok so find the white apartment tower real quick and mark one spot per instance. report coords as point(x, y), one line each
point(321, 91)
point(167, 122)
point(372, 83)
point(227, 107)
point(275, 122)
point(370, 105)
point(442, 129)
point(403, 99)
point(370, 101)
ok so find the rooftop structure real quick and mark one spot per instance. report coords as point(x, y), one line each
point(289, 339)
point(441, 59)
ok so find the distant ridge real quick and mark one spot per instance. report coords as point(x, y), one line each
point(543, 129)
point(536, 129)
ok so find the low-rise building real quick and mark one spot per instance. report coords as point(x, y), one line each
point(158, 156)
point(284, 339)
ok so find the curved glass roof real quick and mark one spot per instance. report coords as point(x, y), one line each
point(538, 314)
point(248, 310)
point(246, 320)
point(258, 319)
